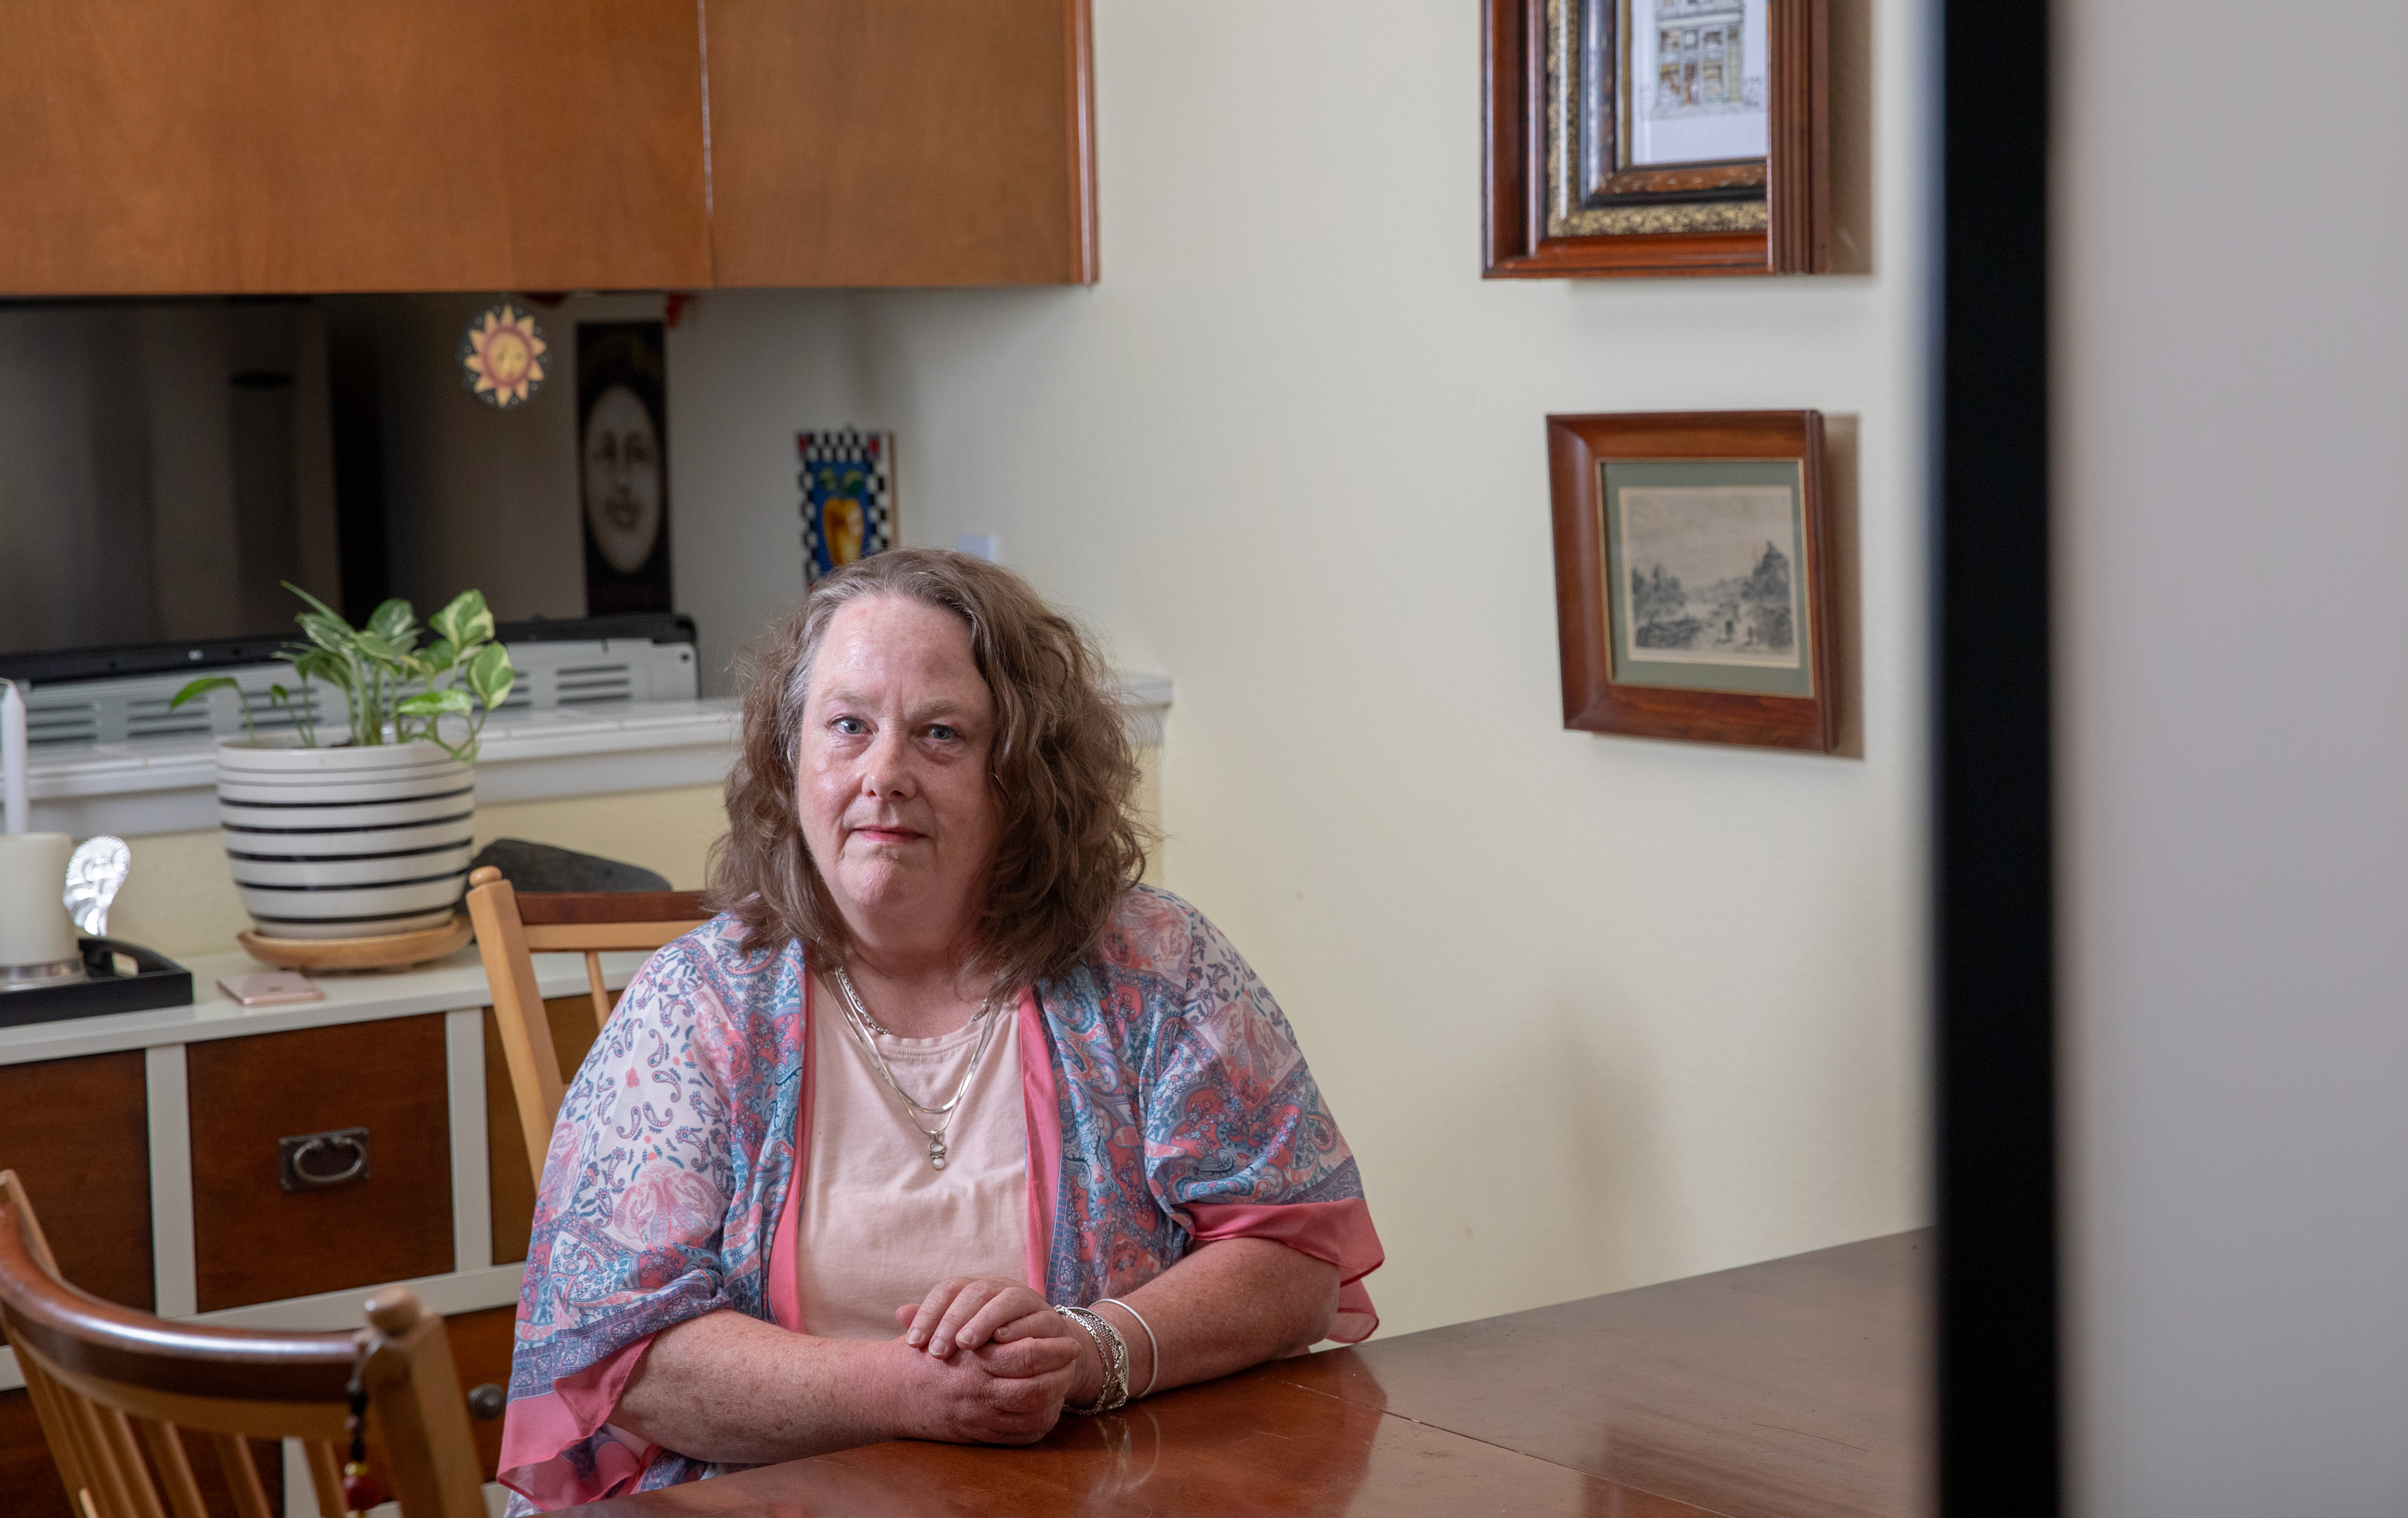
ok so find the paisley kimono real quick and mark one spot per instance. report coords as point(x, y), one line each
point(1167, 1106)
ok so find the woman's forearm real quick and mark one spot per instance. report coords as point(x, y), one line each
point(1228, 1305)
point(726, 1386)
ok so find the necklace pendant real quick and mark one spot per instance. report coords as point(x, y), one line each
point(937, 1149)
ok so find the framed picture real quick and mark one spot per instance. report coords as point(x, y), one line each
point(1656, 137)
point(848, 483)
point(622, 443)
point(1693, 577)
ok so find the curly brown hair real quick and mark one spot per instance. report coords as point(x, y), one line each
point(1062, 771)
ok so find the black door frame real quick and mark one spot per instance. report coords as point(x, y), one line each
point(1993, 946)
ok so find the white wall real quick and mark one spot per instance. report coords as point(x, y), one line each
point(1593, 1011)
point(2232, 470)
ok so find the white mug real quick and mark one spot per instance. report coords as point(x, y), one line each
point(35, 928)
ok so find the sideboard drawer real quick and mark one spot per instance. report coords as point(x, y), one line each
point(255, 1241)
point(76, 1132)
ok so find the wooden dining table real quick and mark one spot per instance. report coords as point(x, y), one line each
point(1791, 1389)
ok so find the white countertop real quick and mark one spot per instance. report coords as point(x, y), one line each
point(451, 984)
point(170, 785)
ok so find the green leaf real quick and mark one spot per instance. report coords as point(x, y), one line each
point(381, 649)
point(394, 620)
point(326, 630)
point(438, 657)
point(320, 607)
point(317, 664)
point(465, 620)
point(490, 675)
point(202, 687)
point(436, 704)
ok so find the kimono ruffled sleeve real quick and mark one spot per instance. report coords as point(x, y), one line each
point(1238, 1143)
point(630, 1225)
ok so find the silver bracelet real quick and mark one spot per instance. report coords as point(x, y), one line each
point(1153, 1372)
point(1111, 1350)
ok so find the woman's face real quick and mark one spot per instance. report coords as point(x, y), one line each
point(622, 479)
point(890, 773)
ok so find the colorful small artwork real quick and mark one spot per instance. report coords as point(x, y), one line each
point(848, 497)
point(503, 353)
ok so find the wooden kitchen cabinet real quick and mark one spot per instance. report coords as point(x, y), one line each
point(76, 1132)
point(199, 147)
point(901, 142)
point(254, 1240)
point(286, 145)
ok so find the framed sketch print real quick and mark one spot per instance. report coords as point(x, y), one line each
point(1656, 137)
point(1693, 579)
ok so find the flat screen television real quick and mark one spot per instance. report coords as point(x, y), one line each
point(165, 467)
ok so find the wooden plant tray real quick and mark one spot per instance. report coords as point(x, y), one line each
point(388, 951)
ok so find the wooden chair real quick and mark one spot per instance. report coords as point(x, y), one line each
point(100, 1376)
point(511, 928)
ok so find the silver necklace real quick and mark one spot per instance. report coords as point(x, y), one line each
point(866, 1029)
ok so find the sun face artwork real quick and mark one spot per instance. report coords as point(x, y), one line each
point(848, 483)
point(503, 353)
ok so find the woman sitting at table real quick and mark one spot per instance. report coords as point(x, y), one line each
point(945, 1124)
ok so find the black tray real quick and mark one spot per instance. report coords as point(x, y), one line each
point(160, 982)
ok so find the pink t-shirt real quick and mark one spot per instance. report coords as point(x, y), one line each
point(879, 1225)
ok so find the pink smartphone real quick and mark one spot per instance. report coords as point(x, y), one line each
point(269, 987)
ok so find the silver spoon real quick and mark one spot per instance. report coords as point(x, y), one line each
point(96, 871)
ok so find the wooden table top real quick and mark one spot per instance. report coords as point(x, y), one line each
point(1791, 1389)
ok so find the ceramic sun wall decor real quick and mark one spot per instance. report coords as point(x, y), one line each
point(848, 497)
point(503, 355)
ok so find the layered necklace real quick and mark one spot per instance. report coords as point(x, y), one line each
point(867, 1029)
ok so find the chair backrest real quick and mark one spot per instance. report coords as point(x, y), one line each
point(511, 928)
point(103, 1377)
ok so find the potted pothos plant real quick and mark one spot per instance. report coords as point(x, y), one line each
point(363, 830)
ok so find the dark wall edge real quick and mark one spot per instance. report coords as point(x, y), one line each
point(1999, 1400)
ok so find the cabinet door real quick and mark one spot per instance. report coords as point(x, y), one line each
point(235, 146)
point(254, 1240)
point(900, 142)
point(77, 1134)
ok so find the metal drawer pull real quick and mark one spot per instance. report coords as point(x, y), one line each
point(314, 1161)
point(488, 1401)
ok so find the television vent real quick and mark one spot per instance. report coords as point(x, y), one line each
point(268, 717)
point(61, 721)
point(601, 673)
point(585, 685)
point(149, 717)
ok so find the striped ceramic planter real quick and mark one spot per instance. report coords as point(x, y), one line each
point(345, 842)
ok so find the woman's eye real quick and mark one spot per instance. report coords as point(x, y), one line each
point(851, 727)
point(943, 734)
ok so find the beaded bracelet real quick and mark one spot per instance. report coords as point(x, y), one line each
point(1111, 1350)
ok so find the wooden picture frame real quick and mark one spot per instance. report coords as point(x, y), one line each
point(1671, 622)
point(1563, 196)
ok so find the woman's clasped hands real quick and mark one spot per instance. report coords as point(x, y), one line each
point(996, 1363)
